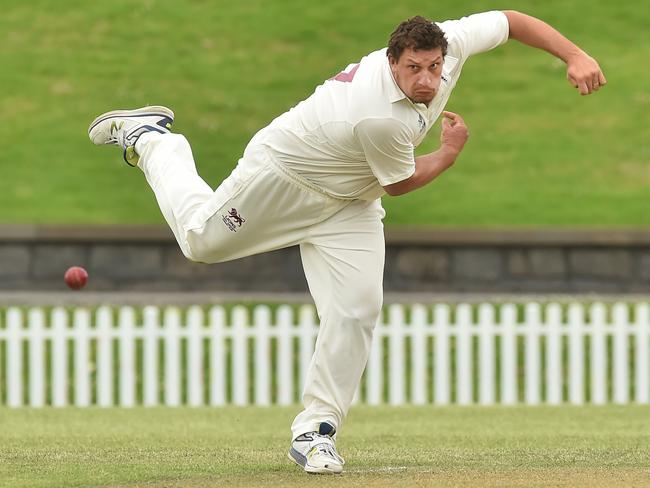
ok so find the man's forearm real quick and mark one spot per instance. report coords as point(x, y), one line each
point(539, 34)
point(453, 136)
point(427, 168)
point(583, 71)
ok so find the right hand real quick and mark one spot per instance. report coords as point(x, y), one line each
point(584, 73)
point(454, 133)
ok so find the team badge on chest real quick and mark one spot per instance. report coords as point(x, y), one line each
point(422, 123)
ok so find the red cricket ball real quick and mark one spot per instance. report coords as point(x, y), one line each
point(76, 277)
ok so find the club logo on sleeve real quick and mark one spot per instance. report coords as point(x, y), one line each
point(233, 220)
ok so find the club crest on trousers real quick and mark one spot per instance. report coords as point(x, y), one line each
point(233, 220)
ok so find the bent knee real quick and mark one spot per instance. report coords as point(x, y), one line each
point(197, 249)
point(206, 248)
point(364, 305)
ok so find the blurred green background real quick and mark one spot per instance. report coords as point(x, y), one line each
point(539, 154)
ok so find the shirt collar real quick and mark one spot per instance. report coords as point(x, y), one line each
point(395, 93)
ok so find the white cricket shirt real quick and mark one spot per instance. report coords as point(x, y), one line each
point(358, 131)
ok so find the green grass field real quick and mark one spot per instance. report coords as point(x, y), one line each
point(385, 447)
point(539, 153)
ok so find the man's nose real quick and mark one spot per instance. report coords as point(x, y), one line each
point(427, 80)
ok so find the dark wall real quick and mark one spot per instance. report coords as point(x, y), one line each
point(148, 259)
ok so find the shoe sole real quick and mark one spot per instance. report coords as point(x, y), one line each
point(292, 455)
point(151, 111)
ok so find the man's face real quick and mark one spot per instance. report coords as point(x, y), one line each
point(418, 73)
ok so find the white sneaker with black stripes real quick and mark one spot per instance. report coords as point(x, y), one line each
point(123, 127)
point(316, 452)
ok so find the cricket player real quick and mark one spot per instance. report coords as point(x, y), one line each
point(315, 176)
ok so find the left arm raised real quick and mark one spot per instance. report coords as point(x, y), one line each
point(583, 71)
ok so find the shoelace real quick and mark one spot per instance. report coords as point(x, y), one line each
point(121, 138)
point(118, 137)
point(327, 448)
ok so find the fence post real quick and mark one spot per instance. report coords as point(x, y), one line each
point(553, 354)
point(151, 316)
point(509, 390)
point(14, 357)
point(59, 357)
point(285, 355)
point(418, 355)
point(127, 356)
point(598, 355)
point(104, 357)
point(464, 354)
point(36, 320)
point(195, 356)
point(533, 313)
point(171, 327)
point(81, 330)
point(263, 368)
point(441, 318)
point(240, 355)
point(576, 354)
point(486, 361)
point(642, 328)
point(620, 350)
point(217, 356)
point(396, 374)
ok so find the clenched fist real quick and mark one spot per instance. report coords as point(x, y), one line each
point(584, 73)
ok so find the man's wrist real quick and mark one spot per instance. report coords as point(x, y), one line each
point(448, 153)
point(574, 52)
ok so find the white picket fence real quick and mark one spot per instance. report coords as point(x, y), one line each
point(464, 354)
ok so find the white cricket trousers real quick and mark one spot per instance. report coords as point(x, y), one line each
point(261, 207)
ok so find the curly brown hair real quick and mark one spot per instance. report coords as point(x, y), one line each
point(416, 33)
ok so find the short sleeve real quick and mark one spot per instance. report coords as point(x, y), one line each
point(388, 149)
point(477, 33)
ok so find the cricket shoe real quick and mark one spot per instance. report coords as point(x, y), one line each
point(123, 127)
point(316, 452)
